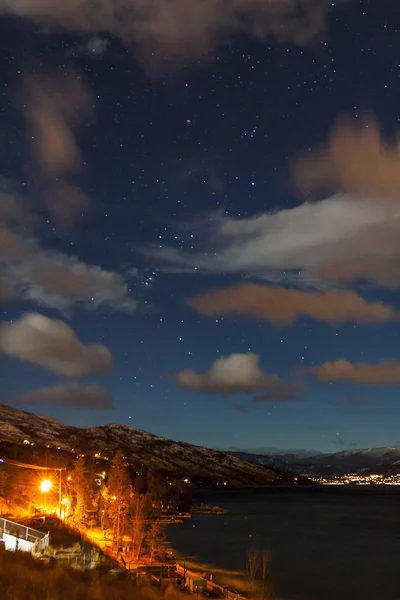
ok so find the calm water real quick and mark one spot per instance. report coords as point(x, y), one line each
point(325, 544)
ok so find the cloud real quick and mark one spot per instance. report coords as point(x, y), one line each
point(233, 374)
point(356, 159)
point(385, 372)
point(53, 105)
point(13, 211)
point(69, 394)
point(286, 390)
point(352, 236)
point(56, 280)
point(53, 345)
point(283, 306)
point(314, 243)
point(180, 28)
point(6, 292)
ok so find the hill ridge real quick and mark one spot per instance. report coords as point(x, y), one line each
point(179, 459)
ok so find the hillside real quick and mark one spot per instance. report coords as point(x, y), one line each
point(27, 436)
point(367, 461)
point(23, 577)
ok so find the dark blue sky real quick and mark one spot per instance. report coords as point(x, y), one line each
point(162, 148)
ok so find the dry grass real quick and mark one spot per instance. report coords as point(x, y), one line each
point(24, 578)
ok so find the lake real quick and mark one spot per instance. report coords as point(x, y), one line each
point(327, 543)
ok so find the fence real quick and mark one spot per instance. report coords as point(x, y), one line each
point(36, 540)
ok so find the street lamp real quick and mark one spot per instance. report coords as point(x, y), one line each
point(45, 486)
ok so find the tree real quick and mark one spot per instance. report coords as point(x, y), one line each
point(265, 574)
point(119, 492)
point(83, 485)
point(155, 540)
point(252, 568)
point(258, 573)
point(140, 512)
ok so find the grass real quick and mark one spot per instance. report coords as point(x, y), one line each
point(23, 577)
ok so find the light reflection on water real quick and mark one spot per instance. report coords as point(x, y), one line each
point(325, 544)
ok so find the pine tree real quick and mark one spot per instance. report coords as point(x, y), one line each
point(83, 485)
point(119, 489)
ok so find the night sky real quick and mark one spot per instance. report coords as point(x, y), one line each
point(187, 183)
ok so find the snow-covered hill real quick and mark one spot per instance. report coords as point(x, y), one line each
point(176, 458)
point(369, 460)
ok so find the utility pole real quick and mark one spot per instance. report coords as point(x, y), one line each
point(116, 529)
point(59, 494)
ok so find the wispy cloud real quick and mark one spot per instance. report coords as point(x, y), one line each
point(69, 394)
point(181, 28)
point(385, 372)
point(356, 159)
point(56, 280)
point(53, 345)
point(54, 105)
point(283, 306)
point(236, 373)
point(351, 236)
point(299, 245)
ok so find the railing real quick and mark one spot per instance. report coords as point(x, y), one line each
point(38, 539)
point(21, 531)
point(210, 586)
point(41, 544)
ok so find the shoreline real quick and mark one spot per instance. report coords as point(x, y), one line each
point(235, 580)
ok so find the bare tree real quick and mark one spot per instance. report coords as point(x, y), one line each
point(265, 574)
point(155, 540)
point(252, 568)
point(258, 573)
point(140, 510)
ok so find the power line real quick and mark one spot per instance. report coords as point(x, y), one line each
point(16, 463)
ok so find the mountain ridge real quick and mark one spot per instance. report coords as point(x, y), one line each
point(24, 431)
point(382, 460)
